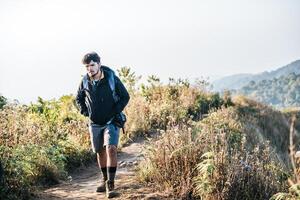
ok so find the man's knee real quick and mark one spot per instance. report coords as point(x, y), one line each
point(101, 152)
point(111, 150)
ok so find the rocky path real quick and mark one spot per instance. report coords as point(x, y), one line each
point(84, 182)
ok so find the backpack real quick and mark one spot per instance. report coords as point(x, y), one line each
point(120, 119)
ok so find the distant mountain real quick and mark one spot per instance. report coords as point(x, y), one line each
point(238, 81)
point(279, 92)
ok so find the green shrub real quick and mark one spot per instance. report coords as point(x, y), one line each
point(40, 144)
point(210, 159)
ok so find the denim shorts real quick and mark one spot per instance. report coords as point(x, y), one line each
point(102, 136)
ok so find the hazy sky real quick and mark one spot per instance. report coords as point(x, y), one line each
point(42, 41)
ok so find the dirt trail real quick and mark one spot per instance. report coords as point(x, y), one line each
point(84, 183)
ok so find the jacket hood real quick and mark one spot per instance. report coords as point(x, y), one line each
point(107, 69)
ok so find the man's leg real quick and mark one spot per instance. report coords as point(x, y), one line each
point(97, 141)
point(111, 151)
point(101, 158)
point(111, 139)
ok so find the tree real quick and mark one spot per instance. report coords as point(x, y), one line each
point(3, 101)
point(128, 78)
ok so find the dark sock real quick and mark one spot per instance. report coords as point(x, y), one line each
point(111, 173)
point(104, 173)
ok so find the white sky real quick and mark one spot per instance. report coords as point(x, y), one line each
point(42, 41)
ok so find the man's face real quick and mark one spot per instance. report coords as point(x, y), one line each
point(92, 68)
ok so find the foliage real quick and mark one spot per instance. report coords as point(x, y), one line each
point(170, 160)
point(3, 101)
point(294, 181)
point(128, 78)
point(39, 144)
point(214, 159)
point(209, 146)
point(279, 92)
point(155, 106)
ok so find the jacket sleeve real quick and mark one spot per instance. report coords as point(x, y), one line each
point(123, 95)
point(80, 100)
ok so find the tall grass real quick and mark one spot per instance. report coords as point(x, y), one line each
point(39, 144)
point(169, 161)
point(210, 160)
point(156, 106)
point(294, 181)
point(209, 147)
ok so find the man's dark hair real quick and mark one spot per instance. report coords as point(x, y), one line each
point(92, 56)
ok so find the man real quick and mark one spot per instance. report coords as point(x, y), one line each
point(96, 100)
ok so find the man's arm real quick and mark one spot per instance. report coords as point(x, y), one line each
point(123, 95)
point(80, 100)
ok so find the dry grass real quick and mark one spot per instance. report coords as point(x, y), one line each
point(212, 160)
point(39, 144)
point(234, 153)
point(170, 161)
point(294, 181)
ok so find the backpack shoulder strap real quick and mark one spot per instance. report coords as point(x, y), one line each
point(85, 82)
point(112, 84)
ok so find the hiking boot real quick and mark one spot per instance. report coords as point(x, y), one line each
point(110, 189)
point(102, 187)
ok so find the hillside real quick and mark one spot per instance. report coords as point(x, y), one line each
point(240, 152)
point(279, 92)
point(209, 147)
point(239, 80)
